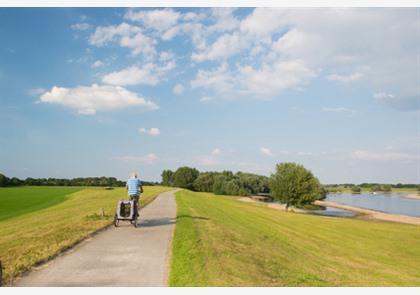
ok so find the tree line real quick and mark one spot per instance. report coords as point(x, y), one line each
point(292, 184)
point(220, 183)
point(371, 187)
point(80, 181)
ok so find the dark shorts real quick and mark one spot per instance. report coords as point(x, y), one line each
point(134, 198)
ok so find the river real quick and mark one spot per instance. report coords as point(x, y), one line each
point(394, 203)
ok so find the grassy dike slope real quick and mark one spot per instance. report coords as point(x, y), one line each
point(68, 215)
point(220, 241)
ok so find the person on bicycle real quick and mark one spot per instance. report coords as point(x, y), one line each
point(134, 188)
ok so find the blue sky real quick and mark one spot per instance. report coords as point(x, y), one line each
point(91, 92)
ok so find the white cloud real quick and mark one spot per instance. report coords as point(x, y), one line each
point(266, 151)
point(381, 156)
point(97, 64)
point(383, 96)
point(210, 160)
point(264, 82)
point(224, 47)
point(166, 56)
point(148, 159)
point(220, 80)
point(224, 19)
point(139, 43)
point(104, 35)
point(133, 76)
point(276, 49)
point(152, 131)
point(216, 152)
point(126, 35)
point(87, 100)
point(80, 26)
point(178, 89)
point(337, 110)
point(345, 78)
point(205, 99)
point(314, 37)
point(158, 19)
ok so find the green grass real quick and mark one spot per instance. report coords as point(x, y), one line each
point(16, 201)
point(37, 223)
point(220, 241)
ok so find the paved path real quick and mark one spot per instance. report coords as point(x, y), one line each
point(122, 256)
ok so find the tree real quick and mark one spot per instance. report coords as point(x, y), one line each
point(167, 177)
point(184, 177)
point(356, 189)
point(204, 182)
point(4, 180)
point(294, 185)
point(375, 188)
point(386, 188)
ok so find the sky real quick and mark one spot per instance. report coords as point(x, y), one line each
point(107, 91)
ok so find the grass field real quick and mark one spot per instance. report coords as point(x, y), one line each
point(36, 223)
point(220, 241)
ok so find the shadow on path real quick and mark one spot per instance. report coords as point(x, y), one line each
point(157, 222)
point(193, 217)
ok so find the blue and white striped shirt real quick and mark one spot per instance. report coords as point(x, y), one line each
point(133, 185)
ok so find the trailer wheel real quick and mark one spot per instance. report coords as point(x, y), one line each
point(115, 220)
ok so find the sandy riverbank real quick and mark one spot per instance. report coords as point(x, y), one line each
point(412, 196)
point(371, 214)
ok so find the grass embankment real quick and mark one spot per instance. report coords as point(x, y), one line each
point(36, 223)
point(220, 241)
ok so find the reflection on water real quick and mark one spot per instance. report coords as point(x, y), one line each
point(386, 202)
point(329, 211)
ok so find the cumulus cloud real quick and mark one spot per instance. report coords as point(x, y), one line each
point(87, 100)
point(148, 74)
point(345, 78)
point(125, 35)
point(224, 47)
point(178, 89)
point(133, 75)
point(314, 38)
point(261, 82)
point(266, 151)
point(152, 131)
point(157, 19)
point(271, 50)
point(97, 64)
point(211, 159)
point(80, 26)
point(216, 152)
point(104, 35)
